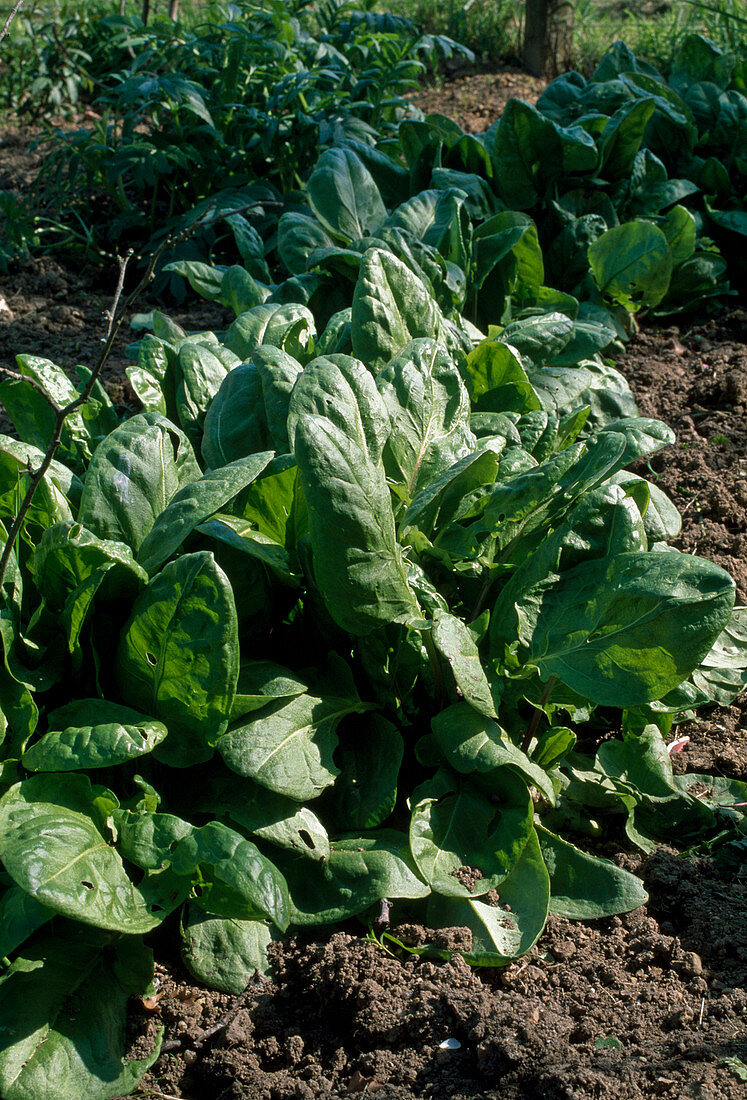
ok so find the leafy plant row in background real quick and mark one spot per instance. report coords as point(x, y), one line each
point(624, 191)
point(392, 624)
point(249, 96)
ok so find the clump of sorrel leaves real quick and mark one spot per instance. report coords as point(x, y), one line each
point(625, 192)
point(319, 629)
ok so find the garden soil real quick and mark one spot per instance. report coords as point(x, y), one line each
point(651, 1004)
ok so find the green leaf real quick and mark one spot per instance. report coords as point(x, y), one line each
point(20, 916)
point(456, 645)
point(235, 879)
point(261, 681)
point(632, 264)
point(622, 136)
point(288, 747)
point(268, 815)
point(179, 656)
point(625, 629)
point(68, 554)
point(289, 326)
point(343, 195)
point(199, 374)
point(455, 831)
point(53, 849)
point(476, 746)
point(370, 756)
point(583, 886)
point(224, 953)
point(299, 236)
point(722, 674)
point(194, 504)
point(340, 425)
point(133, 475)
point(498, 381)
point(250, 410)
point(679, 229)
point(429, 410)
point(93, 733)
point(360, 871)
point(63, 1006)
point(391, 307)
point(506, 929)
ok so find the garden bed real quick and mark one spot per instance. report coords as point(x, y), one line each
point(649, 1004)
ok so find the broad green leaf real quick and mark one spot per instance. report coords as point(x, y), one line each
point(224, 953)
point(288, 747)
point(250, 410)
point(299, 236)
point(68, 554)
point(391, 307)
point(59, 856)
point(360, 871)
point(429, 411)
point(194, 504)
point(58, 489)
point(20, 916)
point(520, 505)
point(583, 886)
point(622, 136)
point(199, 374)
point(18, 709)
point(370, 756)
point(498, 381)
point(203, 278)
point(625, 629)
point(632, 264)
point(722, 674)
point(93, 733)
point(289, 326)
point(661, 520)
point(476, 746)
point(235, 879)
point(343, 195)
point(63, 1007)
point(463, 844)
point(340, 425)
point(261, 681)
point(268, 815)
point(511, 925)
point(538, 339)
point(456, 645)
point(133, 475)
point(679, 229)
point(179, 656)
point(443, 501)
point(526, 154)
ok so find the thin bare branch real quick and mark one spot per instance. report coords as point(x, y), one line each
point(116, 317)
point(11, 16)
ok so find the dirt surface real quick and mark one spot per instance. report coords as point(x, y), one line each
point(652, 1004)
point(476, 100)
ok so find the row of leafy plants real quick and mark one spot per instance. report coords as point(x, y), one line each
point(247, 97)
point(366, 605)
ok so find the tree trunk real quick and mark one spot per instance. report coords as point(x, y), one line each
point(174, 10)
point(548, 36)
point(146, 11)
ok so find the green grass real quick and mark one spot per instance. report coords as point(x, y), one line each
point(494, 28)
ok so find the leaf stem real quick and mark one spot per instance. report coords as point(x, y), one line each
point(534, 721)
point(435, 663)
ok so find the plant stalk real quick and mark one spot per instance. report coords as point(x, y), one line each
point(538, 712)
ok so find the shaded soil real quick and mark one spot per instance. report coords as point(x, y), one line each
point(651, 1004)
point(476, 100)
